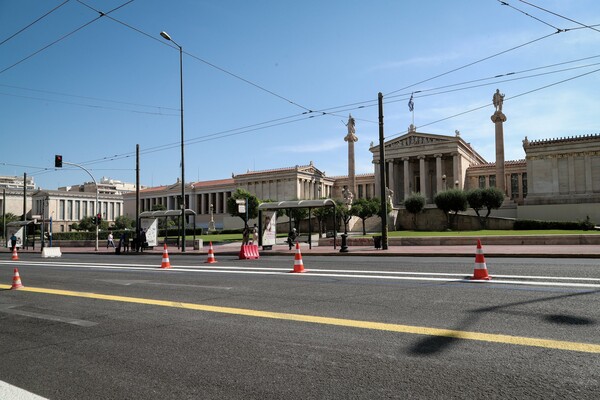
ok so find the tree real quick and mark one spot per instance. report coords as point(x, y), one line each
point(363, 209)
point(8, 217)
point(451, 200)
point(322, 214)
point(295, 214)
point(414, 204)
point(232, 206)
point(490, 199)
point(124, 222)
point(85, 224)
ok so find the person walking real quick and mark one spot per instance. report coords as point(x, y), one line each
point(254, 234)
point(110, 241)
point(13, 242)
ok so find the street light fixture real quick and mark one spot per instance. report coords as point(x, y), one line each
point(167, 37)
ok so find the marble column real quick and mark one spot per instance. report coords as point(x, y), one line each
point(392, 180)
point(422, 176)
point(498, 119)
point(406, 171)
point(438, 172)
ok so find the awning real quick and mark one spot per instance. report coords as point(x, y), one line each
point(296, 204)
point(165, 213)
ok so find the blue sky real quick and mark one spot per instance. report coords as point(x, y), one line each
point(288, 71)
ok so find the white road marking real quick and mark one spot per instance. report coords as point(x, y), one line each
point(9, 309)
point(8, 391)
point(384, 275)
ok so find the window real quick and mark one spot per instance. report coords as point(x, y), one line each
point(492, 180)
point(360, 192)
point(84, 209)
point(481, 182)
point(61, 210)
point(514, 186)
point(77, 210)
point(524, 184)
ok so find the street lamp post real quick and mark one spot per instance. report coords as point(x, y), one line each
point(167, 37)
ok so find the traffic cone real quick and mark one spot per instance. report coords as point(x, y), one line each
point(17, 280)
point(480, 272)
point(15, 256)
point(298, 265)
point(165, 259)
point(211, 255)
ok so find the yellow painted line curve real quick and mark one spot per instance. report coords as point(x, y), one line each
point(416, 330)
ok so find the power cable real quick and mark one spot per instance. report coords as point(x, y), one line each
point(560, 16)
point(504, 3)
point(34, 22)
point(63, 37)
point(204, 61)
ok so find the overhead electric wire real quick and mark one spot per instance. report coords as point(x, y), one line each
point(504, 3)
point(472, 63)
point(561, 16)
point(34, 22)
point(205, 62)
point(63, 37)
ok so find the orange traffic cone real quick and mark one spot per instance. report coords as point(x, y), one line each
point(17, 280)
point(298, 264)
point(165, 260)
point(15, 256)
point(480, 272)
point(211, 255)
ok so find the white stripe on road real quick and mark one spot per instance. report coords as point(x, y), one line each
point(8, 391)
point(385, 275)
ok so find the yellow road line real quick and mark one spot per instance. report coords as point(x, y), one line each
point(417, 330)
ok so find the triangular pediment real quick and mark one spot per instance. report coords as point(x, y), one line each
point(311, 170)
point(417, 139)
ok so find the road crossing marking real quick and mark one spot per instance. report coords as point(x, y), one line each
point(381, 326)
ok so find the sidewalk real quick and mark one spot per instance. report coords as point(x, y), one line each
point(561, 251)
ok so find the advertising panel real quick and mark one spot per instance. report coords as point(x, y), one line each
point(150, 226)
point(269, 228)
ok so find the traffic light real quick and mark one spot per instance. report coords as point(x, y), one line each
point(94, 221)
point(57, 161)
point(98, 218)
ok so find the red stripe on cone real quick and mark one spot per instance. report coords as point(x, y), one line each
point(480, 272)
point(16, 281)
point(211, 255)
point(15, 255)
point(165, 258)
point(298, 264)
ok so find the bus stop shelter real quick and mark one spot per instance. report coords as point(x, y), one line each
point(289, 205)
point(169, 213)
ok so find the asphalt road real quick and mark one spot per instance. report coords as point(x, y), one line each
point(106, 327)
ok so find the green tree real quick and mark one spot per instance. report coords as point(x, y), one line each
point(85, 224)
point(8, 217)
point(232, 207)
point(342, 213)
point(322, 214)
point(124, 222)
point(489, 199)
point(363, 209)
point(414, 204)
point(451, 200)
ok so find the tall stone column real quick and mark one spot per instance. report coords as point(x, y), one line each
point(498, 118)
point(351, 138)
point(422, 176)
point(392, 180)
point(406, 177)
point(438, 172)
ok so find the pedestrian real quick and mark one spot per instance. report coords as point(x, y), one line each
point(254, 234)
point(143, 242)
point(110, 241)
point(126, 242)
point(13, 242)
point(292, 237)
point(245, 235)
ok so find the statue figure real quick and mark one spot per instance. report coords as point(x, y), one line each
point(351, 136)
point(390, 195)
point(498, 99)
point(348, 196)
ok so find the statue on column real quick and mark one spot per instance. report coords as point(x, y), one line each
point(348, 196)
point(498, 99)
point(390, 195)
point(351, 136)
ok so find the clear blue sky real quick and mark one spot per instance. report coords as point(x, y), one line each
point(114, 83)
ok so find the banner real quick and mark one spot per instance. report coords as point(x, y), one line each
point(150, 227)
point(18, 232)
point(269, 228)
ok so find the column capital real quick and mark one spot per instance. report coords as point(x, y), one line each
point(438, 155)
point(421, 156)
point(405, 159)
point(498, 117)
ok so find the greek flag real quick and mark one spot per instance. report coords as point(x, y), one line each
point(411, 104)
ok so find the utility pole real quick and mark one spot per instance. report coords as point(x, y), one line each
point(137, 196)
point(384, 223)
